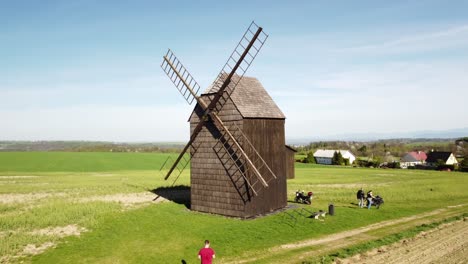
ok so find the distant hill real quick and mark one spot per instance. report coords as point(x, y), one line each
point(405, 138)
point(430, 135)
point(89, 146)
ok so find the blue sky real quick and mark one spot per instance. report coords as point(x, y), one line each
point(89, 70)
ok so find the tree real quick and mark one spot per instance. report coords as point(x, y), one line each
point(463, 166)
point(310, 158)
point(363, 150)
point(377, 161)
point(440, 163)
point(337, 159)
point(346, 162)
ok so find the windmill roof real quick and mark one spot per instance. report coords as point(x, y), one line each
point(290, 148)
point(251, 99)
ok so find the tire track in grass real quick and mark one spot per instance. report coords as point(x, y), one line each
point(447, 243)
point(338, 240)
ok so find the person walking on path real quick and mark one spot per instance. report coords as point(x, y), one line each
point(206, 254)
point(360, 198)
point(370, 196)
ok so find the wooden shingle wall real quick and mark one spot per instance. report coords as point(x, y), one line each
point(290, 160)
point(267, 136)
point(214, 190)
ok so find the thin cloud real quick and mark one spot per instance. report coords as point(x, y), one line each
point(447, 38)
point(381, 98)
point(397, 77)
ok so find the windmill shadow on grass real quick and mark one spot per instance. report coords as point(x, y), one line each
point(179, 194)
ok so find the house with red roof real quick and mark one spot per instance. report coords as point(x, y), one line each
point(413, 158)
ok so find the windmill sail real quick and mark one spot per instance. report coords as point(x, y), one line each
point(182, 79)
point(229, 150)
point(178, 167)
point(236, 65)
point(255, 174)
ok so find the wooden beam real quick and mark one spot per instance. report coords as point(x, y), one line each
point(257, 173)
point(190, 89)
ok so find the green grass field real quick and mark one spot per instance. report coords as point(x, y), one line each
point(107, 195)
point(79, 161)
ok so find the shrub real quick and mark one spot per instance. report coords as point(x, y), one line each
point(445, 167)
point(393, 165)
point(310, 158)
point(463, 166)
point(337, 159)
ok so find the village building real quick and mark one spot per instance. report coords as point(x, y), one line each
point(290, 159)
point(413, 158)
point(325, 156)
point(435, 157)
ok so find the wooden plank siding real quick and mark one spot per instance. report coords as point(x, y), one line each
point(267, 136)
point(213, 190)
point(290, 161)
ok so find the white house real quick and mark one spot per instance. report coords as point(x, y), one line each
point(413, 158)
point(324, 156)
point(447, 158)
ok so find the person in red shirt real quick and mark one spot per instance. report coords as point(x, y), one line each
point(206, 254)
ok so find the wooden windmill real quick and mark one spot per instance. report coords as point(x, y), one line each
point(237, 145)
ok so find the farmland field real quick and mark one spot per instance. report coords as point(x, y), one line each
point(72, 207)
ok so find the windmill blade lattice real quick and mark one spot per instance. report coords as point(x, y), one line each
point(181, 78)
point(178, 167)
point(254, 171)
point(229, 150)
point(237, 64)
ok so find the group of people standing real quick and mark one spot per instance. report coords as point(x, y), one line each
point(360, 196)
point(207, 254)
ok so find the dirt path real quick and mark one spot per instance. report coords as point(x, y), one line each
point(344, 239)
point(357, 231)
point(445, 244)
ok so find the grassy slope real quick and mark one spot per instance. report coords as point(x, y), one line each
point(79, 161)
point(169, 233)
